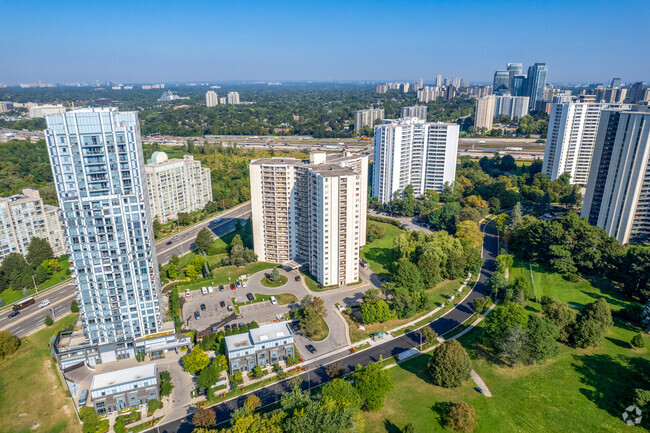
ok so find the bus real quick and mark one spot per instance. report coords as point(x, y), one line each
point(24, 303)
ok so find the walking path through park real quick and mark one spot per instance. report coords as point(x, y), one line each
point(479, 382)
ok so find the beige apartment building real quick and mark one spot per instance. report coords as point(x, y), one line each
point(484, 112)
point(311, 213)
point(176, 185)
point(23, 217)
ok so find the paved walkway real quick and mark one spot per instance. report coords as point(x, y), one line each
point(479, 382)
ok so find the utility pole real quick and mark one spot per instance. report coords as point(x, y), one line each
point(35, 286)
point(53, 313)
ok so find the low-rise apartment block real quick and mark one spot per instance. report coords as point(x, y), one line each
point(124, 389)
point(262, 346)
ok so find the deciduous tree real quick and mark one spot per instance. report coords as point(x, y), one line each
point(449, 365)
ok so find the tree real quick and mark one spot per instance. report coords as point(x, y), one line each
point(375, 231)
point(38, 251)
point(274, 275)
point(516, 217)
point(191, 272)
point(209, 375)
point(587, 332)
point(469, 233)
point(563, 317)
point(637, 341)
point(253, 402)
point(641, 397)
point(461, 417)
point(449, 365)
point(408, 275)
point(319, 305)
point(501, 222)
point(74, 307)
point(372, 383)
point(8, 344)
point(48, 320)
point(157, 226)
point(204, 417)
point(175, 259)
point(203, 240)
point(409, 428)
point(341, 393)
point(429, 335)
point(333, 370)
point(190, 146)
point(503, 317)
point(166, 385)
point(196, 360)
point(90, 419)
point(172, 271)
point(41, 274)
point(481, 304)
point(184, 219)
point(542, 335)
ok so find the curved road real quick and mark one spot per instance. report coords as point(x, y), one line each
point(317, 375)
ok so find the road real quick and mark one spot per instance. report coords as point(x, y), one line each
point(318, 376)
point(31, 318)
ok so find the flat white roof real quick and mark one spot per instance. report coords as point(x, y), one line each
point(274, 331)
point(126, 375)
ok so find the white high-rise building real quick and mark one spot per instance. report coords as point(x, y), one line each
point(98, 168)
point(419, 111)
point(413, 152)
point(233, 97)
point(427, 94)
point(176, 185)
point(367, 117)
point(618, 190)
point(514, 106)
point(438, 80)
point(484, 113)
point(23, 217)
point(570, 140)
point(211, 98)
point(311, 213)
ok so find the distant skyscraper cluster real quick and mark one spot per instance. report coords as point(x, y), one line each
point(443, 88)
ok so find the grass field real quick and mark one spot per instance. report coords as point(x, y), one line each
point(379, 253)
point(582, 390)
point(32, 396)
point(10, 296)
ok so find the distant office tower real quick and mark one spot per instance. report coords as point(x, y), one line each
point(311, 212)
point(367, 117)
point(233, 98)
point(211, 98)
point(23, 217)
point(536, 83)
point(45, 110)
point(427, 94)
point(513, 106)
point(520, 86)
point(98, 168)
point(636, 93)
point(616, 83)
point(446, 82)
point(514, 69)
point(412, 152)
point(456, 82)
point(419, 111)
point(570, 139)
point(484, 113)
point(501, 81)
point(450, 92)
point(382, 88)
point(176, 185)
point(438, 80)
point(618, 191)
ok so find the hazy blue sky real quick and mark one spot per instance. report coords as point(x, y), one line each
point(147, 41)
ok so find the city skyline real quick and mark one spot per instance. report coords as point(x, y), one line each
point(245, 43)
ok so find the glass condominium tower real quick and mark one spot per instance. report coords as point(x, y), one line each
point(98, 168)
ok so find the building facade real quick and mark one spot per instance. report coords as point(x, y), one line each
point(211, 98)
point(311, 212)
point(484, 114)
point(570, 140)
point(501, 82)
point(98, 167)
point(514, 106)
point(124, 389)
point(536, 83)
point(45, 110)
point(263, 346)
point(233, 98)
point(618, 190)
point(419, 111)
point(412, 152)
point(514, 69)
point(367, 117)
point(176, 185)
point(23, 217)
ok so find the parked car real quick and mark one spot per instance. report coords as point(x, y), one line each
point(209, 289)
point(221, 288)
point(311, 348)
point(204, 290)
point(241, 324)
point(222, 304)
point(227, 327)
point(238, 284)
point(233, 326)
point(233, 287)
point(197, 315)
point(250, 296)
point(202, 307)
point(13, 314)
point(45, 303)
point(230, 308)
point(273, 300)
point(187, 293)
point(243, 283)
point(175, 237)
point(297, 278)
point(83, 397)
point(168, 243)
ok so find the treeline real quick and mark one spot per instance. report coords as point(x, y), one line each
point(37, 124)
point(25, 164)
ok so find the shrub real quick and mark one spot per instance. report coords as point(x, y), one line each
point(8, 344)
point(461, 417)
point(571, 277)
point(153, 405)
point(166, 384)
point(637, 341)
point(449, 366)
point(48, 320)
point(74, 307)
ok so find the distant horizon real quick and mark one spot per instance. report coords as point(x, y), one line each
point(147, 41)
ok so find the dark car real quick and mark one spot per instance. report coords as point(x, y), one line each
point(311, 348)
point(241, 324)
point(227, 327)
point(197, 315)
point(13, 314)
point(250, 296)
point(234, 326)
point(202, 307)
point(221, 288)
point(233, 287)
point(297, 278)
point(168, 243)
point(222, 304)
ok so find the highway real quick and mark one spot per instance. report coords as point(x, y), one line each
point(317, 374)
point(31, 318)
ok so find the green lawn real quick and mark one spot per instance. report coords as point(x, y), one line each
point(226, 275)
point(379, 253)
point(583, 390)
point(322, 330)
point(10, 296)
point(280, 282)
point(31, 392)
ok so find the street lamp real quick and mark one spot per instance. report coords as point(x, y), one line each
point(53, 313)
point(35, 286)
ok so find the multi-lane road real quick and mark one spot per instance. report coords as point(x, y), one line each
point(316, 375)
point(31, 318)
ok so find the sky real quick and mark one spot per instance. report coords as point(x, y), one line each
point(165, 41)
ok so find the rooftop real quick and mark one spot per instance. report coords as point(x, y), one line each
point(274, 331)
point(126, 375)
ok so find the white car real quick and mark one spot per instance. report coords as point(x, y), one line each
point(187, 293)
point(204, 290)
point(273, 300)
point(45, 303)
point(243, 283)
point(210, 289)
